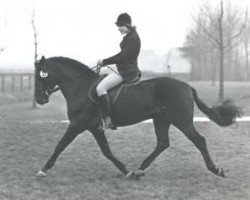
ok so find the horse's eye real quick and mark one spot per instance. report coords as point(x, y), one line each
point(43, 74)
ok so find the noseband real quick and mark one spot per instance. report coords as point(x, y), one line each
point(51, 91)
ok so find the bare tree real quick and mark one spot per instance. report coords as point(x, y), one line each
point(226, 33)
point(2, 32)
point(167, 63)
point(35, 33)
point(200, 52)
point(245, 39)
point(219, 31)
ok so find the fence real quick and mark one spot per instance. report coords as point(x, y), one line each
point(12, 82)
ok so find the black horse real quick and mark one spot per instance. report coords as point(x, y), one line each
point(165, 100)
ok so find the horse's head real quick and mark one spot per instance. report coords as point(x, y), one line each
point(44, 82)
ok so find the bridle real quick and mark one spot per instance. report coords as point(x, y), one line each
point(48, 91)
point(51, 91)
point(97, 69)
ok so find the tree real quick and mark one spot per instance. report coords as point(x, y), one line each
point(167, 64)
point(215, 32)
point(35, 45)
point(245, 39)
point(201, 54)
point(2, 32)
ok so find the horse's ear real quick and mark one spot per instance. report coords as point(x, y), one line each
point(42, 59)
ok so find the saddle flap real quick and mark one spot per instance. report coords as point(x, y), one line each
point(113, 93)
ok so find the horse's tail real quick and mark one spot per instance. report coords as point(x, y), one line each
point(223, 114)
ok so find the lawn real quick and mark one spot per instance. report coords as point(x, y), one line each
point(28, 137)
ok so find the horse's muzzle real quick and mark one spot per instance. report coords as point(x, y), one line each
point(42, 100)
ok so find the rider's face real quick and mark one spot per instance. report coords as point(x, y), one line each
point(123, 29)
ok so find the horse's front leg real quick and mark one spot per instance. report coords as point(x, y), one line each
point(104, 146)
point(67, 138)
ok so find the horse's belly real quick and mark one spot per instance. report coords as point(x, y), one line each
point(126, 121)
point(132, 108)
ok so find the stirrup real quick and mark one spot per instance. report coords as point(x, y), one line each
point(108, 123)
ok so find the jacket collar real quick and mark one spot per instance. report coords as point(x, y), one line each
point(132, 30)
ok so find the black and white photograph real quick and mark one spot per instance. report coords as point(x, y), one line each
point(124, 100)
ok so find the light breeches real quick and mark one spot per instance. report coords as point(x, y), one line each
point(108, 82)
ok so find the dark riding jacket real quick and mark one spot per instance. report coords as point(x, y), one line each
point(126, 59)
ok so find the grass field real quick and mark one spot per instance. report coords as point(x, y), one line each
point(28, 137)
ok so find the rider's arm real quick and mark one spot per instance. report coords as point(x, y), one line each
point(129, 50)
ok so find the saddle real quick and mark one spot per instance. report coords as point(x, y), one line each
point(114, 92)
point(153, 105)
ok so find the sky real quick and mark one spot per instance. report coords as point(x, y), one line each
point(85, 30)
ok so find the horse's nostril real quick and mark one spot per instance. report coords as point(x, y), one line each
point(42, 100)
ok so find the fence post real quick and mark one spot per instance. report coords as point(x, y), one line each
point(30, 82)
point(21, 83)
point(13, 84)
point(3, 83)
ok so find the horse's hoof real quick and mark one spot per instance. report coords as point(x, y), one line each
point(41, 174)
point(130, 175)
point(135, 175)
point(221, 173)
point(113, 127)
point(139, 174)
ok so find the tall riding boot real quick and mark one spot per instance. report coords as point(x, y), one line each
point(106, 110)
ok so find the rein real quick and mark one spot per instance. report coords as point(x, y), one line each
point(96, 69)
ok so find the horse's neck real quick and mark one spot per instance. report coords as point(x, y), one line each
point(76, 86)
point(72, 78)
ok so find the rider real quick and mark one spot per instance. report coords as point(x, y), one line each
point(126, 63)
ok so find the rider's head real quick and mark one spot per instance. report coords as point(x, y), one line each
point(124, 23)
point(124, 20)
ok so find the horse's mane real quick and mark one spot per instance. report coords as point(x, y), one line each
point(80, 67)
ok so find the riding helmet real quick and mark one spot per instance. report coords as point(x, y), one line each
point(124, 20)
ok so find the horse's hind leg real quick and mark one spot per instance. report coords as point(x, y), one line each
point(161, 125)
point(200, 142)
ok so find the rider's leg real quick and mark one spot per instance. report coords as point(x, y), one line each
point(106, 84)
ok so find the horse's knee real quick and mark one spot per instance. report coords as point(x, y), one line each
point(163, 146)
point(163, 142)
point(168, 145)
